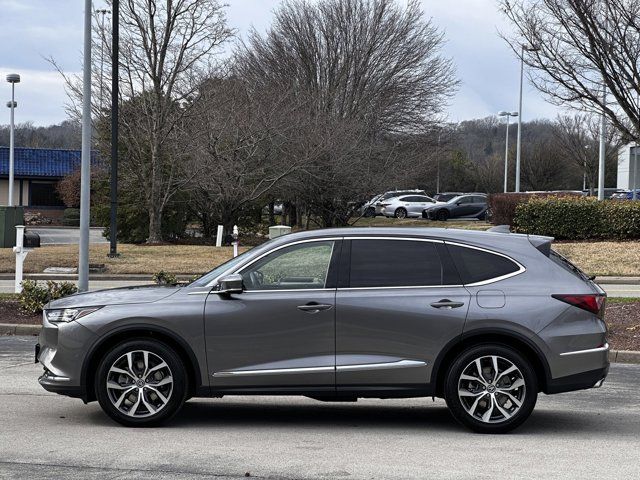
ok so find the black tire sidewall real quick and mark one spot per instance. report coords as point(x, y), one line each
point(400, 210)
point(466, 357)
point(173, 360)
point(442, 215)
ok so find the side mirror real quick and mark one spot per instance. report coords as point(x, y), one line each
point(230, 284)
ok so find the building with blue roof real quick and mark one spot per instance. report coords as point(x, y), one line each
point(36, 174)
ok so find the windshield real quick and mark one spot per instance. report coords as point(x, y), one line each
point(454, 199)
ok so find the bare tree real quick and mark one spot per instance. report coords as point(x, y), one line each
point(165, 46)
point(581, 47)
point(577, 141)
point(368, 73)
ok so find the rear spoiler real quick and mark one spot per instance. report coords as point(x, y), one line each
point(542, 243)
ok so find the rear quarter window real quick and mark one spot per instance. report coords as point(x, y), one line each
point(478, 265)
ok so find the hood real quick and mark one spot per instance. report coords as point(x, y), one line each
point(116, 296)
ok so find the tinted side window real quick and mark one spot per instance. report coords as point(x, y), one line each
point(480, 199)
point(394, 263)
point(477, 265)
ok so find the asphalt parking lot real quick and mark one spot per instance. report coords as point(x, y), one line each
point(588, 434)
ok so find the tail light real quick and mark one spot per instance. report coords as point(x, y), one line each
point(593, 303)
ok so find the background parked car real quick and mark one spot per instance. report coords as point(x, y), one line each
point(406, 206)
point(446, 196)
point(625, 195)
point(374, 206)
point(462, 206)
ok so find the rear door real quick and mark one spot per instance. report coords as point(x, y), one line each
point(399, 302)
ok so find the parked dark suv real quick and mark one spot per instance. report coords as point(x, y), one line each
point(485, 320)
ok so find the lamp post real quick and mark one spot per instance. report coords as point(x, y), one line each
point(102, 12)
point(506, 147)
point(12, 78)
point(519, 144)
point(115, 93)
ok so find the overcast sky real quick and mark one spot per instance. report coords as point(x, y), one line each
point(32, 30)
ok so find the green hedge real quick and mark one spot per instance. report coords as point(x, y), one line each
point(579, 219)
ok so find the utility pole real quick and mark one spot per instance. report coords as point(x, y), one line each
point(506, 148)
point(115, 93)
point(85, 169)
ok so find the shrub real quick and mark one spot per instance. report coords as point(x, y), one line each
point(503, 205)
point(579, 219)
point(71, 217)
point(165, 278)
point(35, 296)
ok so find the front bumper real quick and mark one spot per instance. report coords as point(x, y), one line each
point(61, 350)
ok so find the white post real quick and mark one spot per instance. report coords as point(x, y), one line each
point(219, 235)
point(21, 254)
point(235, 241)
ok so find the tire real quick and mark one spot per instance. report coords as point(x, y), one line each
point(400, 213)
point(370, 212)
point(442, 215)
point(477, 408)
point(163, 393)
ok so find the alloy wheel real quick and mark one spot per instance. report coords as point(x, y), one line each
point(139, 383)
point(491, 389)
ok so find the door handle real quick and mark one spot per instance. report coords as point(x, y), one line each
point(446, 303)
point(313, 307)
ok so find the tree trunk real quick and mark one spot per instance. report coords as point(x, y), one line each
point(155, 224)
point(272, 217)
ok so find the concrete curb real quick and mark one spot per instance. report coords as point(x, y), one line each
point(615, 356)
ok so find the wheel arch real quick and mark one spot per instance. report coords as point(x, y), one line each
point(516, 341)
point(129, 332)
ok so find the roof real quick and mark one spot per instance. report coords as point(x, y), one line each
point(41, 162)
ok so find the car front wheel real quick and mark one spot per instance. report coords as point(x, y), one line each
point(442, 215)
point(141, 383)
point(401, 213)
point(491, 388)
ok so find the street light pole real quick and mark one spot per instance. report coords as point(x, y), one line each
point(115, 93)
point(85, 164)
point(519, 145)
point(12, 78)
point(103, 12)
point(506, 148)
point(602, 151)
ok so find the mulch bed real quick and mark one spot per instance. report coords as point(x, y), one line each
point(623, 320)
point(10, 313)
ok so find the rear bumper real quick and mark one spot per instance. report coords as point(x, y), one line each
point(579, 381)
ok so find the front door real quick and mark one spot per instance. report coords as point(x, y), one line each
point(280, 331)
point(401, 306)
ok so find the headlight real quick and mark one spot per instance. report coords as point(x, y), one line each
point(68, 314)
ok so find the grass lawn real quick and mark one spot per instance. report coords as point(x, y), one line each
point(133, 258)
point(595, 258)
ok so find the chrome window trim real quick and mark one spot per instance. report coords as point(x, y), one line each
point(237, 269)
point(398, 287)
point(520, 270)
point(291, 290)
point(386, 237)
point(604, 348)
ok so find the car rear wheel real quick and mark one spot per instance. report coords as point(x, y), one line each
point(401, 213)
point(141, 383)
point(442, 215)
point(491, 388)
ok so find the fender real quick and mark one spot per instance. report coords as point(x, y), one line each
point(198, 387)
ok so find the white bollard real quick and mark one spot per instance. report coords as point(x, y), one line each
point(21, 254)
point(219, 236)
point(235, 241)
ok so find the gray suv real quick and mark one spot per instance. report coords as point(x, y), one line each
point(486, 320)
